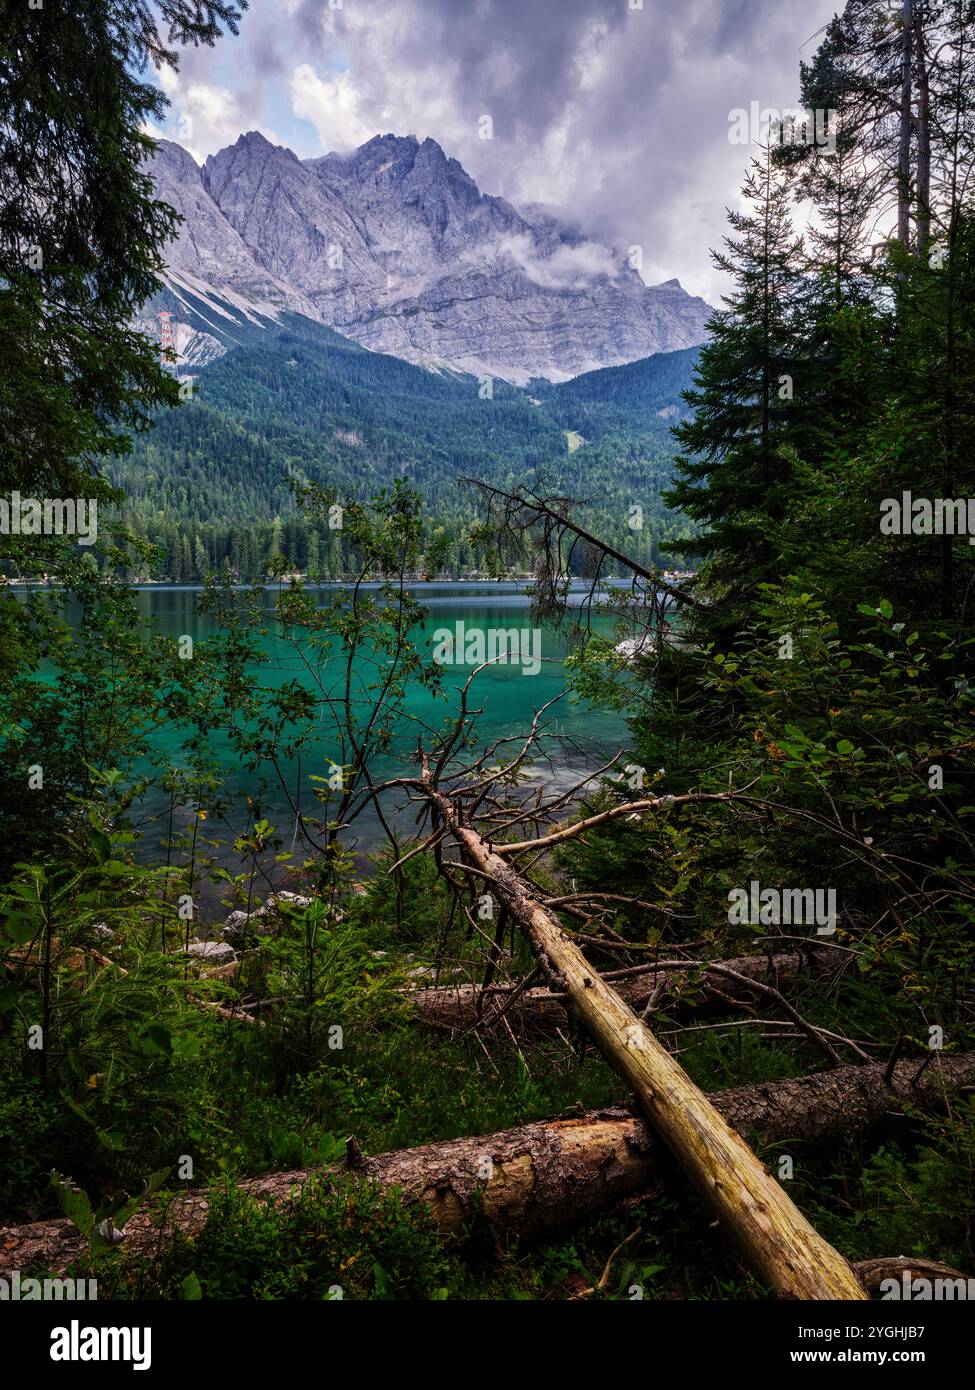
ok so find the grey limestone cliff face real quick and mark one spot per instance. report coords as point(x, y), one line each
point(395, 247)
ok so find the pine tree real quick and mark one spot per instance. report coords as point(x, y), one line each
point(734, 472)
point(274, 551)
point(201, 562)
point(81, 234)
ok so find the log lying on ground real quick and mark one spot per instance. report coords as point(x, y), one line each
point(537, 1012)
point(874, 1274)
point(539, 1179)
point(783, 1249)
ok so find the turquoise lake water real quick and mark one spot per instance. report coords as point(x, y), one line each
point(579, 735)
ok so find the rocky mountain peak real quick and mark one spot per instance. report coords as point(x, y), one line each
point(395, 246)
point(245, 159)
point(173, 160)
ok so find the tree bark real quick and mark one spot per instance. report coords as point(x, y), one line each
point(537, 1012)
point(904, 120)
point(923, 143)
point(539, 1179)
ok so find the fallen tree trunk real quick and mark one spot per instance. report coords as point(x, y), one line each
point(538, 1179)
point(783, 1249)
point(537, 1012)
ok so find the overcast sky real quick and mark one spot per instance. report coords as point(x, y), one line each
point(613, 114)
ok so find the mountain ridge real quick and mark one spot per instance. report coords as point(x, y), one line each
point(394, 246)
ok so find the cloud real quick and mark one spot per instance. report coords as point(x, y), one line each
point(567, 268)
point(617, 116)
point(334, 107)
point(204, 117)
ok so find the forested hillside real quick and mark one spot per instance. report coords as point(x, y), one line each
point(213, 482)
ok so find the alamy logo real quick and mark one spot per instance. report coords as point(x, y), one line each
point(916, 1290)
point(18, 1290)
point(794, 125)
point(474, 646)
point(919, 516)
point(76, 1343)
point(756, 906)
point(50, 516)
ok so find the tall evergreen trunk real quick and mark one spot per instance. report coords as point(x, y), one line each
point(923, 124)
point(905, 115)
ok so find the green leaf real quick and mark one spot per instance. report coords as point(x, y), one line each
point(20, 930)
point(101, 844)
point(9, 996)
point(127, 1208)
point(75, 1204)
